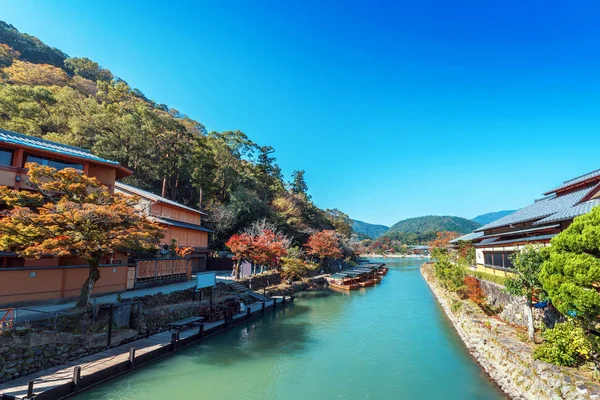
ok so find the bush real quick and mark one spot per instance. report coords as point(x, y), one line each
point(485, 276)
point(474, 291)
point(295, 268)
point(566, 344)
point(450, 275)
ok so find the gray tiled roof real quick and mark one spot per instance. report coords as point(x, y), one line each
point(59, 148)
point(540, 209)
point(468, 237)
point(181, 224)
point(154, 197)
point(574, 181)
point(571, 212)
point(495, 242)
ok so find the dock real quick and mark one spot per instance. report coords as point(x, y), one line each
point(70, 378)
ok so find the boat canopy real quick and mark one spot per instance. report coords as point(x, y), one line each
point(338, 276)
point(353, 273)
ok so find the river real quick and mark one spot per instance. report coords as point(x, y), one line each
point(391, 341)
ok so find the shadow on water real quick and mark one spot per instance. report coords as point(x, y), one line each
point(256, 339)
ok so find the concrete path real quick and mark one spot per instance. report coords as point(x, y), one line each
point(41, 311)
point(63, 374)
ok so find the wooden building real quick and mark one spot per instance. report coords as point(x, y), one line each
point(52, 278)
point(182, 223)
point(537, 223)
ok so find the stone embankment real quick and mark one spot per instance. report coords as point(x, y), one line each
point(504, 356)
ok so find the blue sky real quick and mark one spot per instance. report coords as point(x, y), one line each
point(393, 109)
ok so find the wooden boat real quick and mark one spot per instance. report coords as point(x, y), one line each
point(342, 282)
point(367, 283)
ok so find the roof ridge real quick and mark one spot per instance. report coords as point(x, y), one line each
point(581, 176)
point(31, 137)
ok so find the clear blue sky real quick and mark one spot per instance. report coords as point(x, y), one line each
point(394, 110)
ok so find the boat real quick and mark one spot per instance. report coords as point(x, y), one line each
point(343, 282)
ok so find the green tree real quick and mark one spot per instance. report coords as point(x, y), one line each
point(571, 273)
point(298, 184)
point(88, 69)
point(525, 280)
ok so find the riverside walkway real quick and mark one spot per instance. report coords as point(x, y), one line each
point(64, 380)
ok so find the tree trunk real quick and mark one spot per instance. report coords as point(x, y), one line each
point(237, 269)
point(528, 308)
point(163, 192)
point(88, 286)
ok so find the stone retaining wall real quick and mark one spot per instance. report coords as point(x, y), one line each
point(29, 352)
point(513, 307)
point(506, 359)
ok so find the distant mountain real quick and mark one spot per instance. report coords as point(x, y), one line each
point(484, 219)
point(434, 223)
point(365, 230)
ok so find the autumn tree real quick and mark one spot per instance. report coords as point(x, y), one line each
point(7, 55)
point(24, 73)
point(442, 240)
point(241, 247)
point(72, 215)
point(324, 245)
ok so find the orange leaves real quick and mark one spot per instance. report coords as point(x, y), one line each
point(266, 248)
point(73, 215)
point(324, 244)
point(183, 251)
point(443, 239)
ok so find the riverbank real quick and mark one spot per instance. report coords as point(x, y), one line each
point(84, 373)
point(507, 359)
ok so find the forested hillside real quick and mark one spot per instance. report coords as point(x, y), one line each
point(46, 93)
point(484, 219)
point(434, 223)
point(365, 230)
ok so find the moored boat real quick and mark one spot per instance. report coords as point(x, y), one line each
point(343, 282)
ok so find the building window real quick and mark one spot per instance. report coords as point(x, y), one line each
point(6, 157)
point(51, 162)
point(498, 259)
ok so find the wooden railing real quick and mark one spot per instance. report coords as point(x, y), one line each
point(161, 269)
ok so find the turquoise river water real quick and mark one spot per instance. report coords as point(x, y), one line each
point(391, 341)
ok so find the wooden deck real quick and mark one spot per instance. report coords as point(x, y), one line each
point(57, 382)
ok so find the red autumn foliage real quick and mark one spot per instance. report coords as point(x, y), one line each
point(474, 291)
point(443, 239)
point(324, 244)
point(240, 245)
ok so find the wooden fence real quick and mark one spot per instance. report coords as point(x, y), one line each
point(163, 269)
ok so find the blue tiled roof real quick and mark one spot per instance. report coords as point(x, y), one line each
point(542, 208)
point(41, 144)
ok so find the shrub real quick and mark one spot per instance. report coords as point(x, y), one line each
point(295, 268)
point(450, 275)
point(485, 276)
point(566, 344)
point(474, 291)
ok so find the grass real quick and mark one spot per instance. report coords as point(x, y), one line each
point(488, 277)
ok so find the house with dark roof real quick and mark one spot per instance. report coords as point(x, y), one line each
point(182, 224)
point(537, 223)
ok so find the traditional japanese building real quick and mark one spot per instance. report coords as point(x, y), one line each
point(536, 223)
point(182, 224)
point(50, 277)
